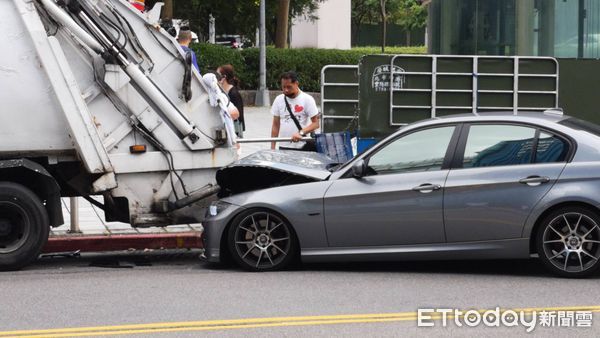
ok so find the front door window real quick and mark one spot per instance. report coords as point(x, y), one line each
point(423, 150)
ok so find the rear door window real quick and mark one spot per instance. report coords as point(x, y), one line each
point(498, 145)
point(551, 148)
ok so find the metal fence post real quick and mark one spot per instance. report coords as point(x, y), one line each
point(74, 216)
point(262, 95)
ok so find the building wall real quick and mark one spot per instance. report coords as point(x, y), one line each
point(561, 28)
point(566, 29)
point(304, 33)
point(332, 29)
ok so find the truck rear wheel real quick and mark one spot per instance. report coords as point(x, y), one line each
point(24, 226)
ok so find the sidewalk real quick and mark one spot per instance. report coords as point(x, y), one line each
point(93, 226)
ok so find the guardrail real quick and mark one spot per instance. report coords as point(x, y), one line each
point(74, 211)
point(339, 96)
point(497, 85)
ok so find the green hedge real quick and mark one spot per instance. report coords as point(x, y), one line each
point(307, 62)
point(212, 56)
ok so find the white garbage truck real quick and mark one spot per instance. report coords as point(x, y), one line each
point(97, 100)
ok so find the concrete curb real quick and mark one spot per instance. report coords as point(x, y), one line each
point(181, 240)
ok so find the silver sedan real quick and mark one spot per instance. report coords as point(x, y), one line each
point(491, 186)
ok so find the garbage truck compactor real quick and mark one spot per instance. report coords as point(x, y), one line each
point(97, 100)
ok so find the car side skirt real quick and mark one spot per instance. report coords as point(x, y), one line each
point(498, 249)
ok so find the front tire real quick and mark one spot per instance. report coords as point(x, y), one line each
point(24, 226)
point(568, 242)
point(261, 240)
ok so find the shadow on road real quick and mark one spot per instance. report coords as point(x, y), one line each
point(190, 259)
point(527, 267)
point(120, 259)
point(521, 267)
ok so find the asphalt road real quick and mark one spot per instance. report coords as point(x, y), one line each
point(174, 294)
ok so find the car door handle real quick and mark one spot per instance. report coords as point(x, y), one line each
point(427, 188)
point(534, 180)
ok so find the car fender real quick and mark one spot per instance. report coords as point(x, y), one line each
point(300, 204)
point(578, 183)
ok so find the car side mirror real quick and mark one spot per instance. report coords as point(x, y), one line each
point(359, 169)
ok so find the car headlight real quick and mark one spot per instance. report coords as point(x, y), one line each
point(217, 207)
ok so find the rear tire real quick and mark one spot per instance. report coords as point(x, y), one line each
point(24, 226)
point(261, 240)
point(568, 242)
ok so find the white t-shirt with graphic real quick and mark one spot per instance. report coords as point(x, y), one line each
point(304, 108)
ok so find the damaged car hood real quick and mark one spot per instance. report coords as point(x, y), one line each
point(269, 168)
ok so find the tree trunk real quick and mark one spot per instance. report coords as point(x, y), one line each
point(167, 10)
point(283, 14)
point(357, 23)
point(356, 35)
point(383, 25)
point(408, 37)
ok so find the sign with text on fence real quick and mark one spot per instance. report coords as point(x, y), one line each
point(382, 78)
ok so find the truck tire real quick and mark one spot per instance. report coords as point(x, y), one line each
point(24, 226)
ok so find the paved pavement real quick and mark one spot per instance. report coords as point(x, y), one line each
point(178, 291)
point(258, 124)
point(91, 218)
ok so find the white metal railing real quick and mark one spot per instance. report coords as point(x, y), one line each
point(324, 100)
point(475, 75)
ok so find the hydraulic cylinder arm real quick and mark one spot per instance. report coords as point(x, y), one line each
point(96, 38)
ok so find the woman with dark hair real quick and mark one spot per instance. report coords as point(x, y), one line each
point(229, 82)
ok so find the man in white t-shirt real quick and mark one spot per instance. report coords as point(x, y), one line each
point(303, 107)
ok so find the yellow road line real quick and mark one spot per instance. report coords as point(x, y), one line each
point(213, 325)
point(220, 327)
point(211, 322)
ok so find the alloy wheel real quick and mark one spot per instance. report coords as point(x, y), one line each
point(263, 240)
point(571, 242)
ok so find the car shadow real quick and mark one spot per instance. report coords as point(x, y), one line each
point(117, 259)
point(516, 267)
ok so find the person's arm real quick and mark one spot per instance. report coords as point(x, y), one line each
point(195, 61)
point(313, 113)
point(233, 111)
point(237, 100)
point(275, 129)
point(314, 125)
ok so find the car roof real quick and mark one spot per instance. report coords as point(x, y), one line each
point(536, 117)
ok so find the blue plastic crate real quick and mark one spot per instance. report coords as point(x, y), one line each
point(364, 144)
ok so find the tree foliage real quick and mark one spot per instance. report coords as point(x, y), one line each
point(238, 16)
point(409, 14)
point(307, 62)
